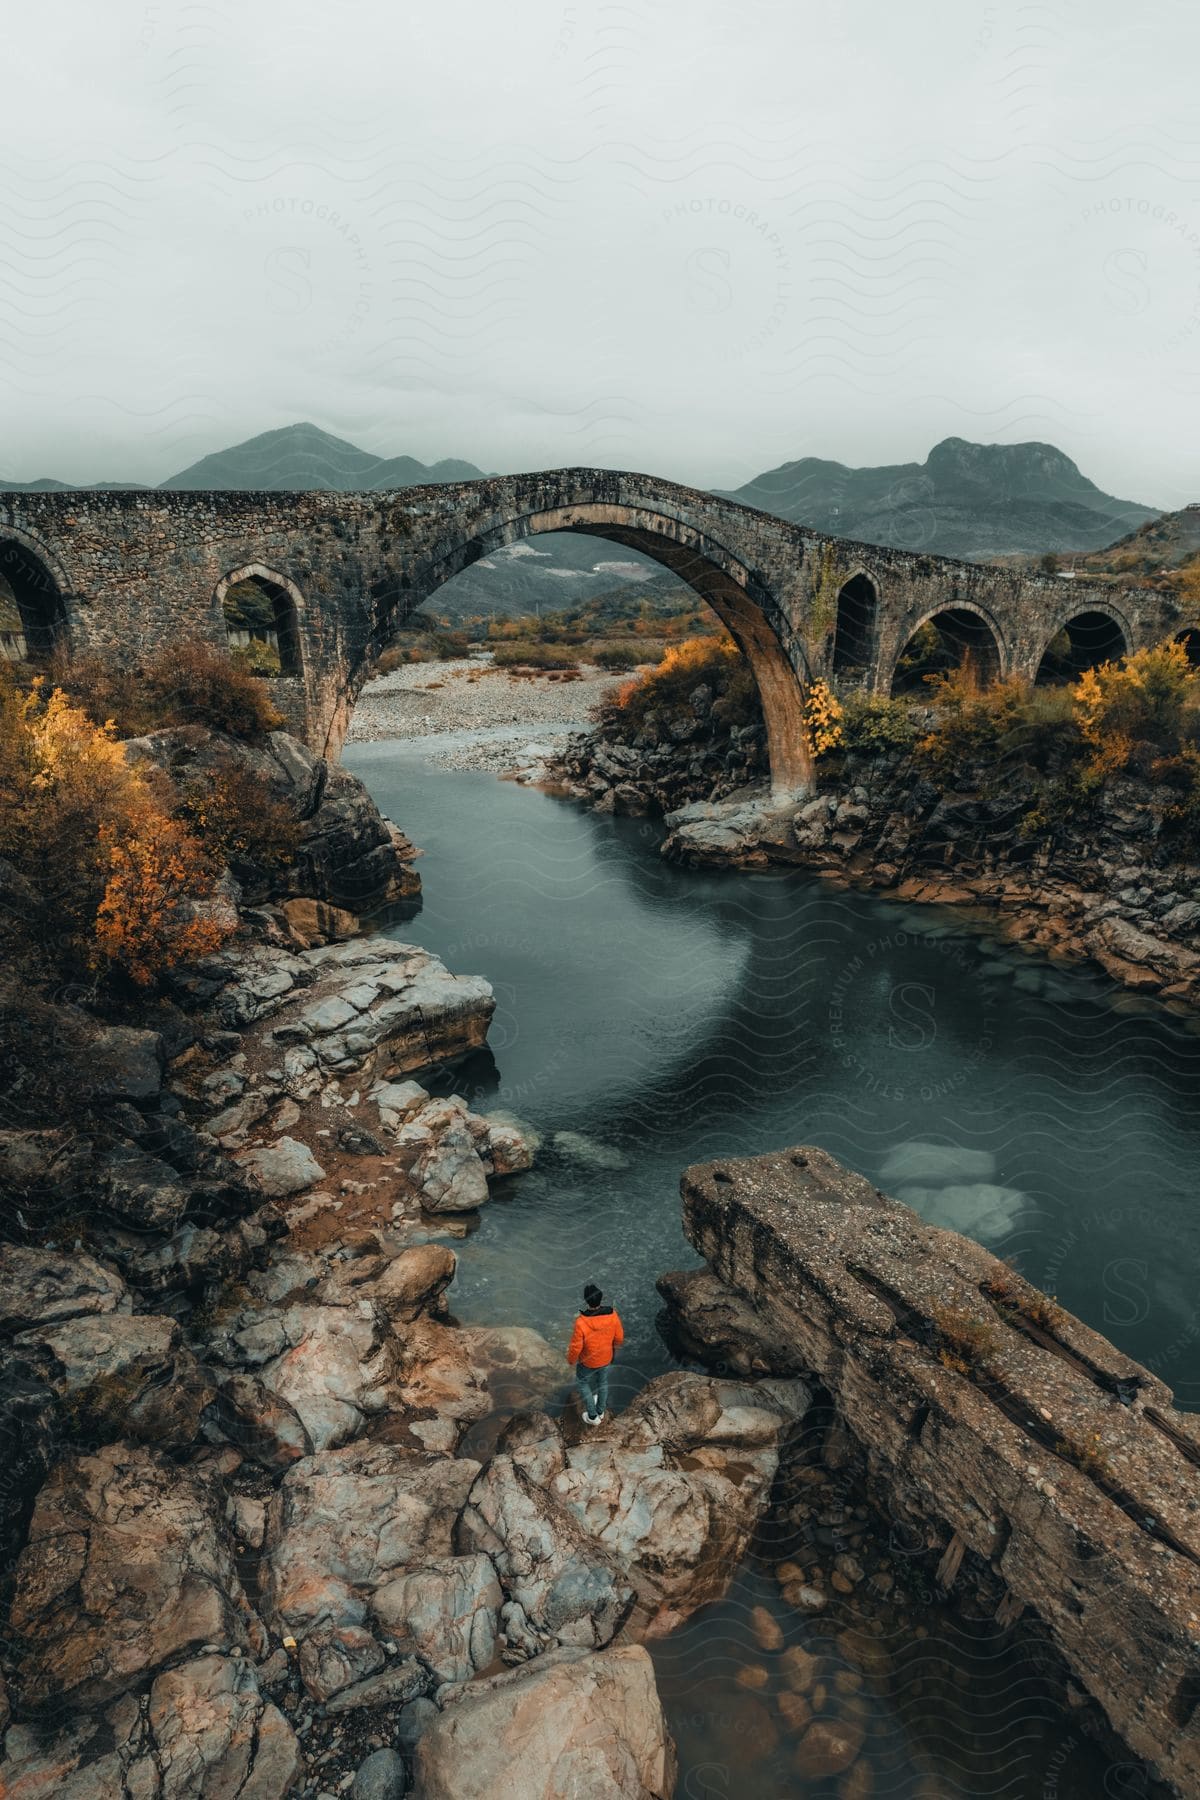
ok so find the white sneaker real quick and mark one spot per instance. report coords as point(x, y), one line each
point(592, 1418)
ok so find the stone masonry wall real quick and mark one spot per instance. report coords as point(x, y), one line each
point(137, 569)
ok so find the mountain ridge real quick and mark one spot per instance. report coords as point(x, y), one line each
point(969, 500)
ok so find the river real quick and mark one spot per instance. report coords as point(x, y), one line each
point(650, 1016)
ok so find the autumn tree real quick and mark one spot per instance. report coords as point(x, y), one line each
point(97, 874)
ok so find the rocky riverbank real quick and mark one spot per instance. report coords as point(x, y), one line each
point(245, 1549)
point(1109, 883)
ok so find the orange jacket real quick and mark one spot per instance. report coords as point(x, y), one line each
point(595, 1337)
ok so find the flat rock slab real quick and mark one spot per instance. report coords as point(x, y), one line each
point(283, 1168)
point(988, 1412)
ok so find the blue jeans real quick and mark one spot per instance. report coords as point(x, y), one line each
point(593, 1386)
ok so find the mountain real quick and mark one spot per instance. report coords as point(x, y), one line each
point(46, 484)
point(971, 500)
point(543, 574)
point(1169, 542)
point(304, 456)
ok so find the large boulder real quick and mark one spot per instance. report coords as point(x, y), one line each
point(381, 1776)
point(568, 1588)
point(264, 1426)
point(121, 1375)
point(40, 1287)
point(335, 1657)
point(414, 1282)
point(446, 1613)
point(125, 1064)
point(344, 1522)
point(141, 1190)
point(215, 1734)
point(573, 1728)
point(47, 1175)
point(719, 1328)
point(441, 1388)
point(282, 1168)
point(379, 1004)
point(127, 1568)
point(522, 1369)
point(331, 1365)
point(444, 1164)
point(203, 1729)
point(672, 1490)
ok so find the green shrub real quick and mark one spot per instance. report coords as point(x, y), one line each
point(197, 684)
point(526, 653)
point(257, 658)
point(626, 654)
point(193, 683)
point(1043, 732)
point(874, 723)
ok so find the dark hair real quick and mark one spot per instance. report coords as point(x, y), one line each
point(592, 1294)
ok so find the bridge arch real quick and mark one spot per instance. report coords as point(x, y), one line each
point(959, 634)
point(257, 602)
point(855, 626)
point(1083, 640)
point(738, 595)
point(33, 588)
point(1189, 637)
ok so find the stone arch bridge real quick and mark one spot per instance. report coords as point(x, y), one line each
point(124, 572)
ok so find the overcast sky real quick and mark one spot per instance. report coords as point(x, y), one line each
point(694, 238)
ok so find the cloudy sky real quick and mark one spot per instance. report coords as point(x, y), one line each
point(688, 237)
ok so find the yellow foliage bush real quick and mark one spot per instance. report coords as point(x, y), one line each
point(1147, 696)
point(151, 917)
point(109, 877)
point(823, 714)
point(714, 662)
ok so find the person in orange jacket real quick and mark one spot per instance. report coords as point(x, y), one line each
point(594, 1342)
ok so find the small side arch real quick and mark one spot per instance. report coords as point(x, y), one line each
point(1082, 641)
point(1189, 637)
point(856, 625)
point(958, 636)
point(33, 606)
point(260, 607)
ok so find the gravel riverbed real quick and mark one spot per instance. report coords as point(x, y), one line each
point(485, 717)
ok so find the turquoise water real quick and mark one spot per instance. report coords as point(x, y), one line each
point(660, 1016)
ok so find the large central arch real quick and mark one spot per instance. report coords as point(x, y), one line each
point(740, 600)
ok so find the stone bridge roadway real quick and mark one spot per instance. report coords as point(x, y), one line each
point(123, 572)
